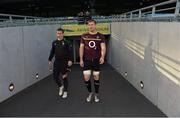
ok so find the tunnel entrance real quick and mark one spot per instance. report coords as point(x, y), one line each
point(73, 34)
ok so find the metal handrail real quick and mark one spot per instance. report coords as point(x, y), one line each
point(20, 16)
point(153, 10)
point(150, 13)
point(10, 17)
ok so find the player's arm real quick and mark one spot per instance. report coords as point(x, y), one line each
point(103, 53)
point(81, 53)
point(103, 50)
point(51, 55)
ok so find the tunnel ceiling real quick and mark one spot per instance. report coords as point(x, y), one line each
point(54, 8)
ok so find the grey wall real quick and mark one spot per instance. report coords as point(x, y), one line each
point(149, 52)
point(24, 52)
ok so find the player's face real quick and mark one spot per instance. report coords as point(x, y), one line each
point(91, 26)
point(59, 34)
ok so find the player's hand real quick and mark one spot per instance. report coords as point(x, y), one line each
point(81, 63)
point(101, 60)
point(50, 62)
point(69, 63)
point(50, 65)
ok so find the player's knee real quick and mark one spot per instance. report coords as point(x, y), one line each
point(87, 72)
point(96, 75)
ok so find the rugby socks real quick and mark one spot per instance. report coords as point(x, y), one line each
point(65, 82)
point(88, 85)
point(96, 86)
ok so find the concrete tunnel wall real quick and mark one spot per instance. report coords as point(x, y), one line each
point(24, 52)
point(149, 52)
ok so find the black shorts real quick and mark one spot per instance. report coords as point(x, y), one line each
point(91, 65)
point(61, 66)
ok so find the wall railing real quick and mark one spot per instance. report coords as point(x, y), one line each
point(166, 11)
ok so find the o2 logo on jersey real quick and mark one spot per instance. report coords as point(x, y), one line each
point(92, 44)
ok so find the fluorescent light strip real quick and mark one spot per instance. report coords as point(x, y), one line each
point(136, 45)
point(170, 77)
point(173, 70)
point(134, 51)
point(174, 65)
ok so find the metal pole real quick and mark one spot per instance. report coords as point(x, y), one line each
point(177, 8)
point(131, 15)
point(153, 11)
point(140, 13)
point(10, 18)
point(25, 19)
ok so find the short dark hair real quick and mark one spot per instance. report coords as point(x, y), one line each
point(91, 20)
point(60, 29)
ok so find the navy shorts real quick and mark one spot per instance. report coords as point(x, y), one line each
point(91, 65)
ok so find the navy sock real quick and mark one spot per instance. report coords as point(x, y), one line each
point(88, 85)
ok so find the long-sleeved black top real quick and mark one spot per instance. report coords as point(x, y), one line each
point(62, 49)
